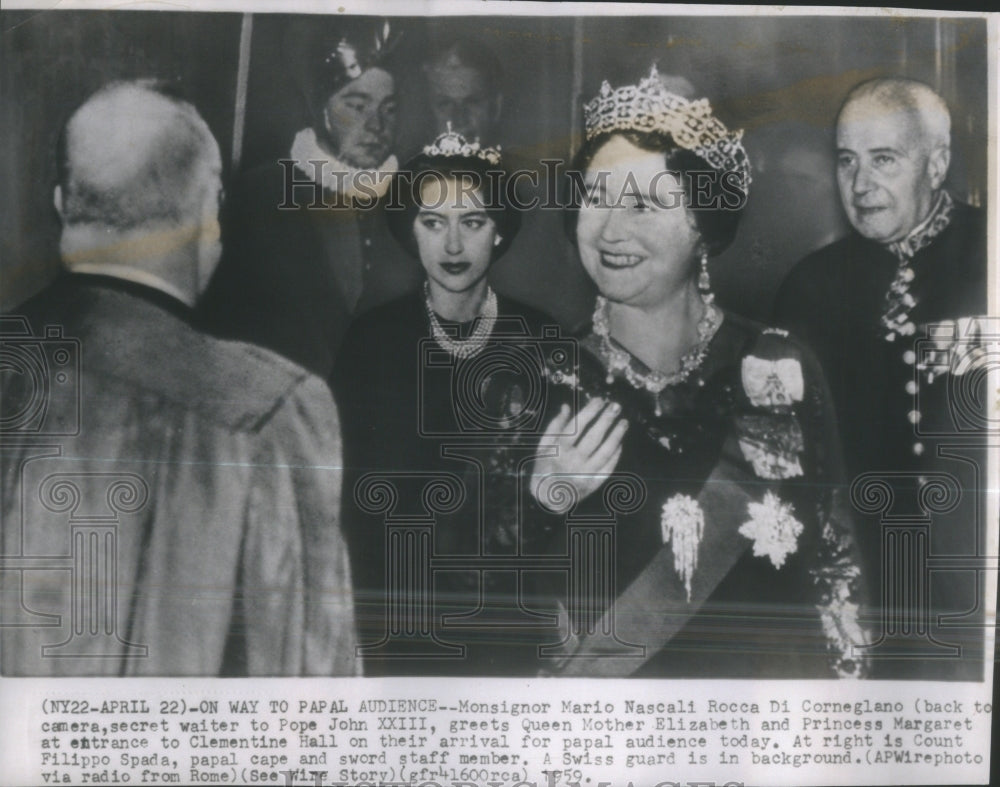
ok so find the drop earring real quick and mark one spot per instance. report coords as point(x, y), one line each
point(704, 280)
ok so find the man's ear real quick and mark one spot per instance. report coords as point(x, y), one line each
point(937, 165)
point(57, 201)
point(208, 234)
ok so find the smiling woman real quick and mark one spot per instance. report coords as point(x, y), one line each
point(735, 557)
point(419, 374)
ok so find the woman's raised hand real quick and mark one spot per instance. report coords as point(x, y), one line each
point(583, 457)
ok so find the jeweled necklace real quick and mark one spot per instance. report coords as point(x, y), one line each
point(471, 346)
point(617, 359)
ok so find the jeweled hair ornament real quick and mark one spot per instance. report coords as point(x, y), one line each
point(650, 107)
point(451, 143)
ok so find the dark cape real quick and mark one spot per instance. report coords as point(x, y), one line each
point(833, 300)
point(196, 509)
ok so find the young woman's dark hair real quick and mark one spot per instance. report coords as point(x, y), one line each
point(476, 176)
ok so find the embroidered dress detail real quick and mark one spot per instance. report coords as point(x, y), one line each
point(772, 384)
point(837, 583)
point(683, 524)
point(772, 528)
point(899, 300)
point(777, 434)
point(772, 465)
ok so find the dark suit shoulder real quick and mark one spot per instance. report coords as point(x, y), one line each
point(813, 282)
point(823, 262)
point(251, 383)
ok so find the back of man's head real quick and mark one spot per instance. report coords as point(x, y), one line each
point(134, 157)
point(918, 102)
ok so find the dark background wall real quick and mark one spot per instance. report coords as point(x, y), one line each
point(49, 63)
point(781, 79)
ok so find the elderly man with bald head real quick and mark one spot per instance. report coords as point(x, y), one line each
point(209, 468)
point(915, 257)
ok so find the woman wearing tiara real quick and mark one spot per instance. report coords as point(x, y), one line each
point(709, 438)
point(418, 379)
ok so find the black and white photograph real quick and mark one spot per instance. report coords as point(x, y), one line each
point(367, 366)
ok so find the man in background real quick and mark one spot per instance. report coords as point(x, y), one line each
point(210, 469)
point(916, 257)
point(463, 87)
point(307, 247)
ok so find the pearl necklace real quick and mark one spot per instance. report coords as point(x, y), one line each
point(618, 359)
point(473, 345)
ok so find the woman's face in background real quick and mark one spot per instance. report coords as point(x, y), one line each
point(455, 235)
point(636, 237)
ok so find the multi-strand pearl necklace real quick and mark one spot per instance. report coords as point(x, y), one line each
point(473, 345)
point(617, 359)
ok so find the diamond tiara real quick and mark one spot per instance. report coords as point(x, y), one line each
point(451, 143)
point(649, 106)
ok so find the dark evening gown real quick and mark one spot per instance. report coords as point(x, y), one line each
point(424, 439)
point(733, 551)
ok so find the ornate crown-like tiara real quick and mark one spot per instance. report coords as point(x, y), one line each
point(649, 106)
point(451, 143)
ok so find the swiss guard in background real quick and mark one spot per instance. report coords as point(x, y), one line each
point(890, 310)
point(307, 246)
point(707, 437)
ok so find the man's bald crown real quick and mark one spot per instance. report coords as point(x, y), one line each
point(918, 102)
point(132, 157)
